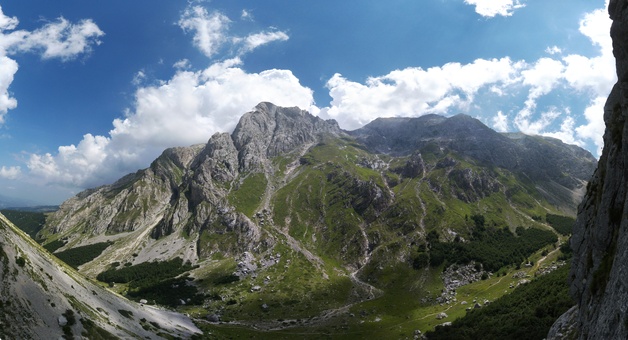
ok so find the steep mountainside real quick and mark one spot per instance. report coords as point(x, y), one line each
point(41, 298)
point(556, 169)
point(290, 217)
point(600, 240)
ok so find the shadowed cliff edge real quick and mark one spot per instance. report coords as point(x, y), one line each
point(600, 238)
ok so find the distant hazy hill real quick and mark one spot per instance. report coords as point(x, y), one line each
point(9, 202)
point(292, 223)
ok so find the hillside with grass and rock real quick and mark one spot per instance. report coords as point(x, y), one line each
point(43, 298)
point(291, 226)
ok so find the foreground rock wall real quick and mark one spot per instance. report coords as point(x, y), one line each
point(600, 241)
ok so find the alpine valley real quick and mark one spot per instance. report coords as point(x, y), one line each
point(291, 227)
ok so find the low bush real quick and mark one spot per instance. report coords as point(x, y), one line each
point(145, 274)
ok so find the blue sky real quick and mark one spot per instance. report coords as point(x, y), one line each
point(91, 90)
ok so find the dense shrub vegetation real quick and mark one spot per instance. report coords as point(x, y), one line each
point(77, 256)
point(156, 282)
point(145, 274)
point(562, 224)
point(169, 292)
point(30, 222)
point(54, 245)
point(526, 313)
point(493, 247)
point(226, 279)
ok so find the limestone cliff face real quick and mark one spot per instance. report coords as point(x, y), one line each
point(600, 240)
point(271, 131)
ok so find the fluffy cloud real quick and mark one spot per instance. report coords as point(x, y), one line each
point(565, 132)
point(593, 74)
point(500, 122)
point(209, 29)
point(553, 50)
point(492, 8)
point(60, 39)
point(8, 68)
point(594, 129)
point(85, 159)
point(590, 77)
point(211, 32)
point(12, 172)
point(246, 15)
point(185, 110)
point(543, 76)
point(414, 91)
point(253, 41)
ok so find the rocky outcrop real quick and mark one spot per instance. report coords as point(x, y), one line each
point(270, 131)
point(414, 167)
point(600, 238)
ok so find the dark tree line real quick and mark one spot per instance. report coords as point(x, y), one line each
point(493, 247)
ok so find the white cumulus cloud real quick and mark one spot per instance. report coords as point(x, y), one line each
point(8, 68)
point(253, 41)
point(594, 129)
point(492, 8)
point(209, 29)
point(211, 32)
point(500, 122)
point(414, 91)
point(553, 50)
point(184, 110)
point(12, 172)
point(60, 39)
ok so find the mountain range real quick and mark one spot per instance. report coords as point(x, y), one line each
point(291, 224)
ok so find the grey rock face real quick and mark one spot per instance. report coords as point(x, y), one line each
point(270, 131)
point(414, 167)
point(600, 239)
point(471, 186)
point(565, 326)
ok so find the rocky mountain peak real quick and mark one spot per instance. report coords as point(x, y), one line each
point(270, 130)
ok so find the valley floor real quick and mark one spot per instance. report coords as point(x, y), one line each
point(398, 313)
